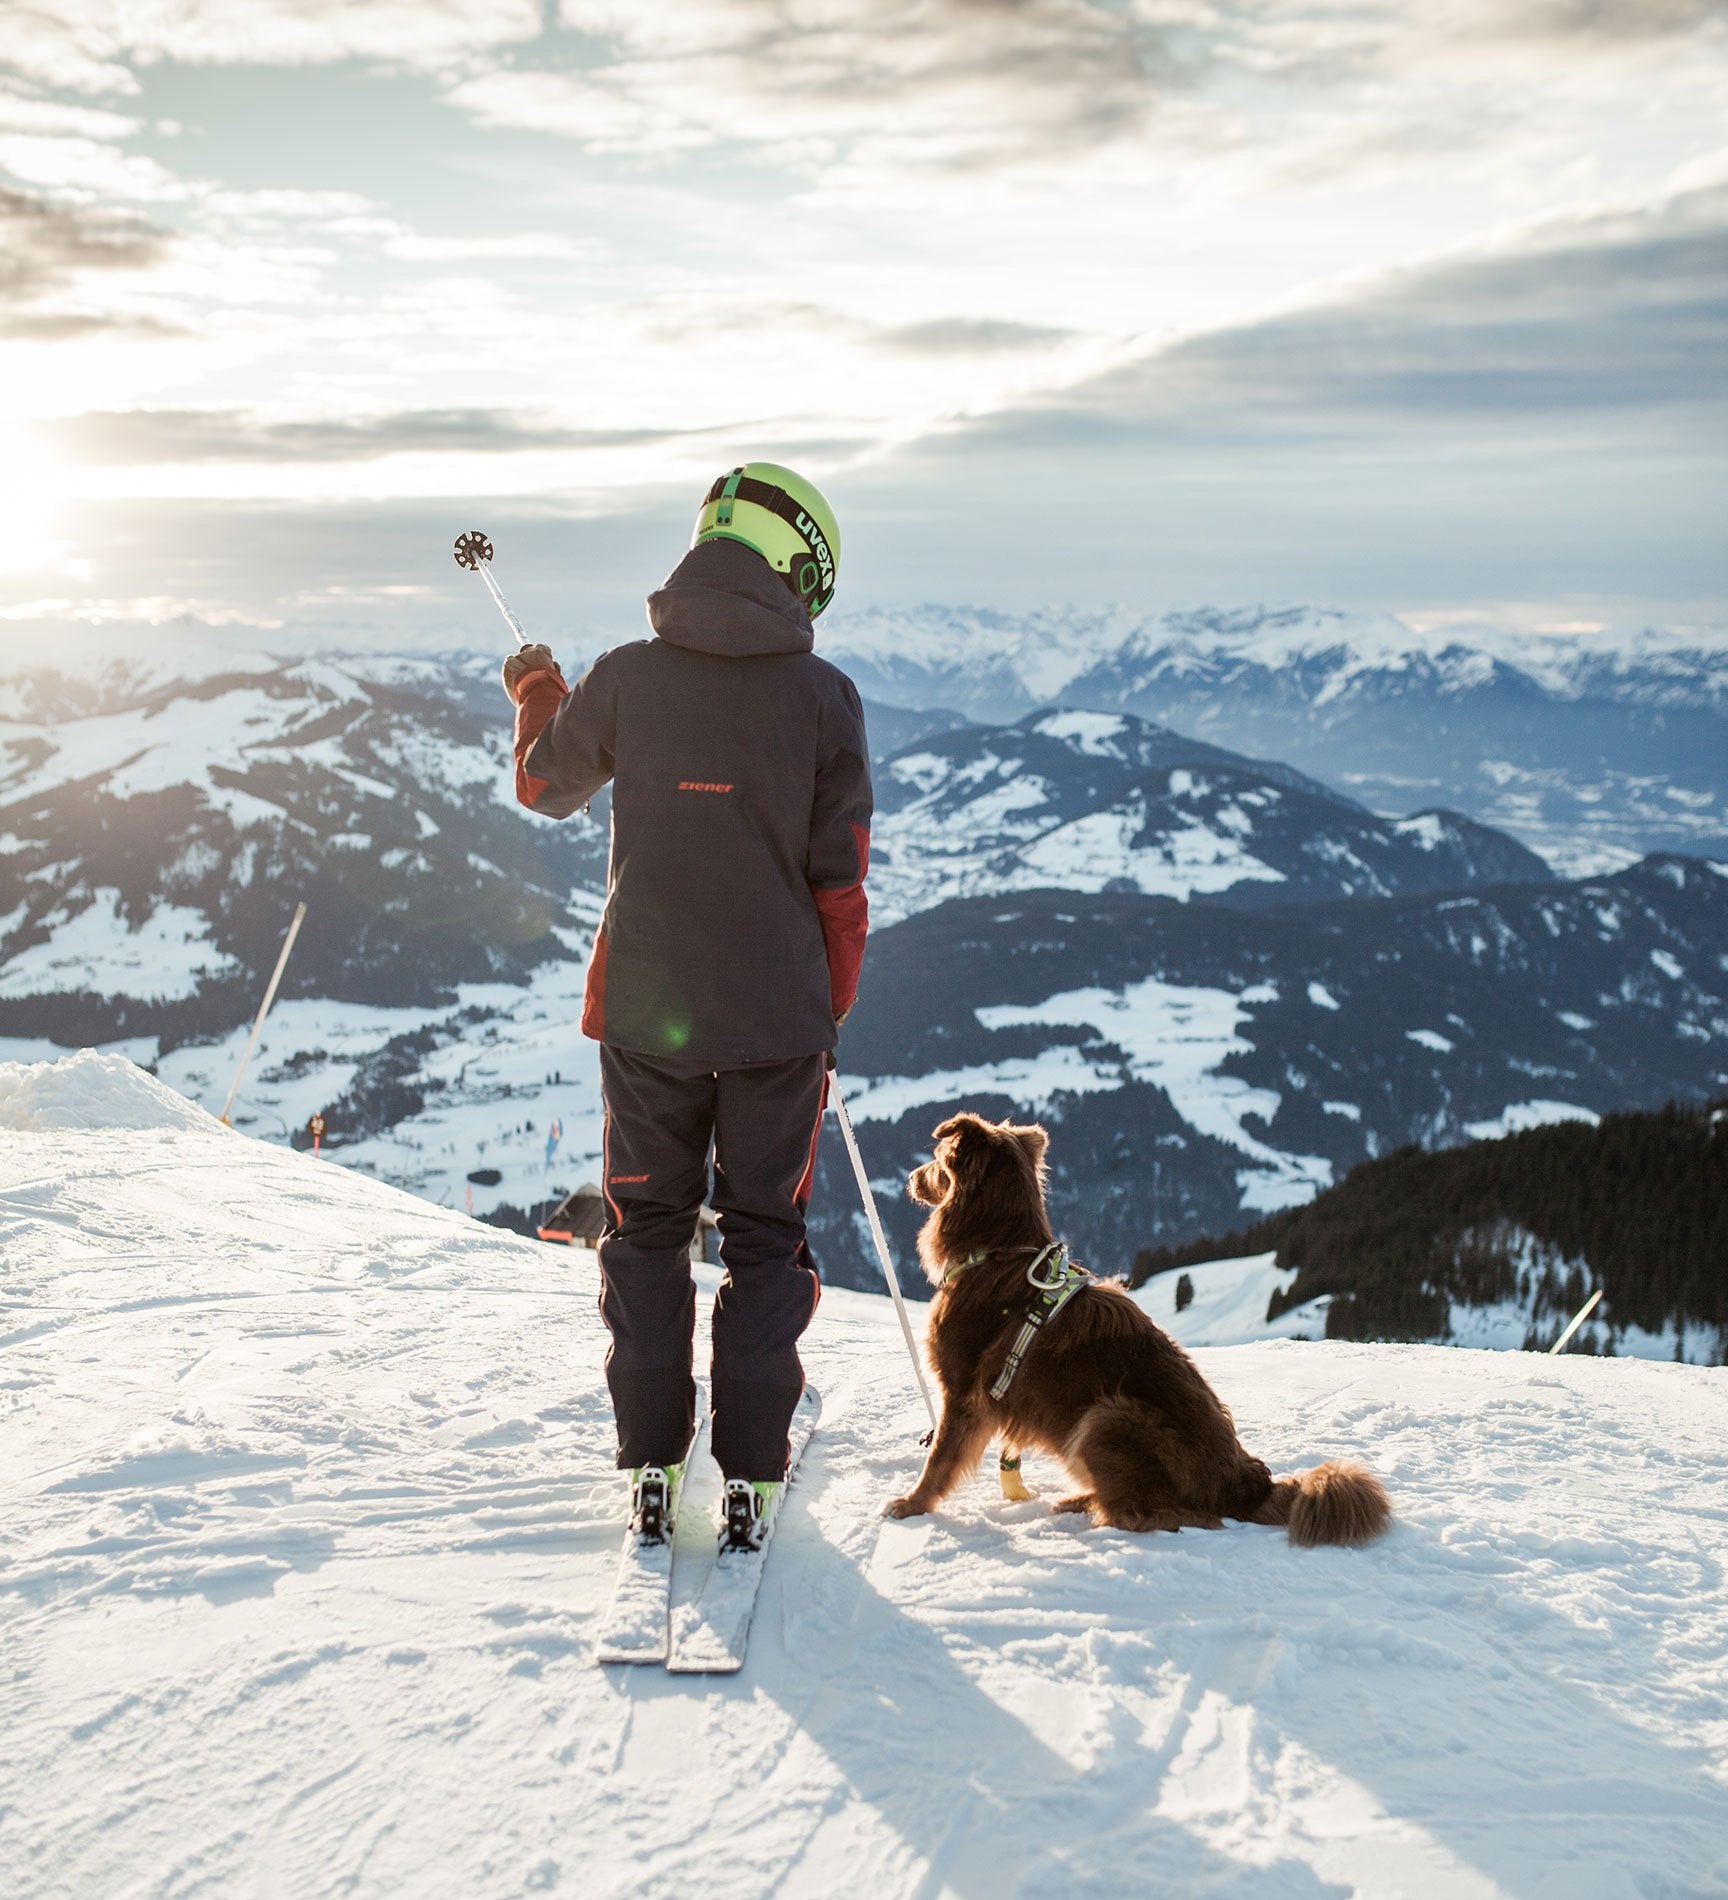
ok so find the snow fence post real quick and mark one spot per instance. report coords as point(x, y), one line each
point(879, 1237)
point(264, 1010)
point(1578, 1319)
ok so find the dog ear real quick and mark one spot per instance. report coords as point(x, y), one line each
point(1034, 1140)
point(963, 1146)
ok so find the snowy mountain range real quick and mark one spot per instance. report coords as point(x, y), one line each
point(1592, 753)
point(1221, 981)
point(1091, 801)
point(155, 835)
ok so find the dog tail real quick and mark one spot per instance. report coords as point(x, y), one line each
point(1335, 1503)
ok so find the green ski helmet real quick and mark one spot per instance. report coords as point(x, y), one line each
point(784, 518)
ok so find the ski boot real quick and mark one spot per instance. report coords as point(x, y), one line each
point(654, 1494)
point(748, 1509)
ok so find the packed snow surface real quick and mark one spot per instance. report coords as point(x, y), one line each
point(307, 1513)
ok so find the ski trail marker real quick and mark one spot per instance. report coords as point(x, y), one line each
point(264, 1010)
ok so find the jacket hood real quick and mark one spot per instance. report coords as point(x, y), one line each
point(724, 598)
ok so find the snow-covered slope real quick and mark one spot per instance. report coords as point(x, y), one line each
point(154, 839)
point(307, 1510)
point(1227, 1303)
point(1088, 801)
point(156, 831)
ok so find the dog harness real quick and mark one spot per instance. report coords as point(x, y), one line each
point(1057, 1283)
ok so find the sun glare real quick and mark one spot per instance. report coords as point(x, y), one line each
point(31, 493)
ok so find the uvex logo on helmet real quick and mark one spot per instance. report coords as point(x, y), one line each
point(818, 547)
point(785, 518)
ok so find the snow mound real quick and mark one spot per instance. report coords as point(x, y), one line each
point(90, 1090)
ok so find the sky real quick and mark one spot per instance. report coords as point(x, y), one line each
point(1415, 308)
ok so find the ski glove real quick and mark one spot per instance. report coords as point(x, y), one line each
point(522, 667)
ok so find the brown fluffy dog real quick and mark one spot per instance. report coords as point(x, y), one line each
point(1101, 1387)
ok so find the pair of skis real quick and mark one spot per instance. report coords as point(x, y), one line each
point(710, 1635)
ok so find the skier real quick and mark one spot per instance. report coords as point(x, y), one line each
point(727, 956)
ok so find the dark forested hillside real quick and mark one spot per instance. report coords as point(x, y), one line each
point(1198, 1066)
point(1636, 1204)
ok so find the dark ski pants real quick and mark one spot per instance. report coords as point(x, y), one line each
point(762, 1122)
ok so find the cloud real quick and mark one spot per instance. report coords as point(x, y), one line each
point(153, 610)
point(93, 46)
point(132, 436)
point(1624, 310)
point(969, 336)
point(1546, 419)
point(945, 84)
point(865, 221)
point(1613, 21)
point(1367, 38)
point(784, 322)
point(275, 562)
point(46, 248)
point(54, 118)
point(506, 247)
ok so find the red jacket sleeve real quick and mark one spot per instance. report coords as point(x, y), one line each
point(840, 845)
point(538, 697)
point(564, 738)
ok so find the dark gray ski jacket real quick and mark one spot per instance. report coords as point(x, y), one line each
point(735, 912)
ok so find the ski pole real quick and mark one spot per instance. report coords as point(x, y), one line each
point(474, 552)
point(879, 1237)
point(264, 1009)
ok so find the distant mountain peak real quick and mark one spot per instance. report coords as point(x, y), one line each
point(1592, 749)
point(1097, 801)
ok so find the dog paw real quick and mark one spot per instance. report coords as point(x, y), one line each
point(902, 1507)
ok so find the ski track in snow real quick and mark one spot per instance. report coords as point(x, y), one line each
point(308, 1513)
